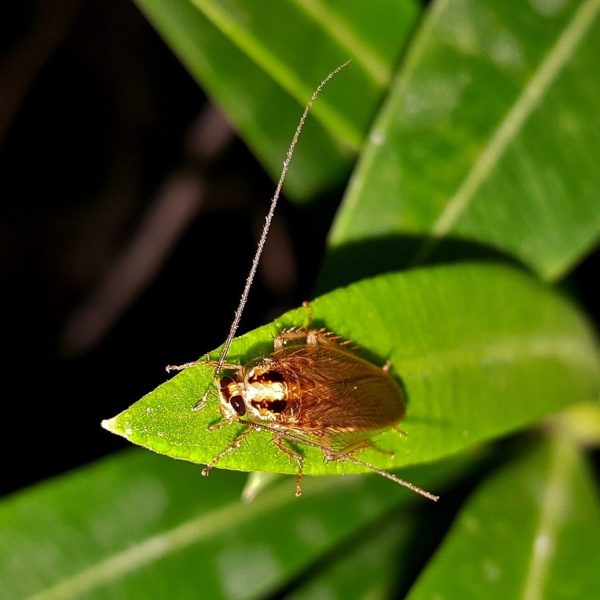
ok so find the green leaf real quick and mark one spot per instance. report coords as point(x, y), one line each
point(480, 350)
point(376, 554)
point(532, 531)
point(140, 526)
point(261, 66)
point(489, 137)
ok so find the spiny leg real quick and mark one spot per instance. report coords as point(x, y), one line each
point(235, 444)
point(208, 362)
point(187, 365)
point(202, 402)
point(321, 442)
point(211, 389)
point(219, 424)
point(202, 361)
point(298, 336)
point(294, 336)
point(279, 442)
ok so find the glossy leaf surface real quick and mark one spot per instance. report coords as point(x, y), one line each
point(531, 531)
point(141, 526)
point(480, 350)
point(256, 63)
point(370, 569)
point(489, 138)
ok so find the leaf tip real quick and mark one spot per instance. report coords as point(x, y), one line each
point(118, 426)
point(107, 424)
point(111, 425)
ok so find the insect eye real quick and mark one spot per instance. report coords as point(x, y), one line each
point(238, 405)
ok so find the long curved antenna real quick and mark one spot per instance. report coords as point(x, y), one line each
point(267, 225)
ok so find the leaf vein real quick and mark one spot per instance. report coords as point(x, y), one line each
point(510, 126)
point(554, 506)
point(280, 72)
point(378, 70)
point(160, 545)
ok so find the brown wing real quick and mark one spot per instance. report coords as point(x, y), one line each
point(331, 389)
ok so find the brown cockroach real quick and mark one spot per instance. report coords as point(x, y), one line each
point(313, 389)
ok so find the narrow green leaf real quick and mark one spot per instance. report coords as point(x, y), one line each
point(257, 65)
point(141, 526)
point(489, 137)
point(532, 531)
point(370, 570)
point(480, 350)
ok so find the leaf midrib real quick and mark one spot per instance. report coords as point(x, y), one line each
point(528, 100)
point(281, 73)
point(376, 68)
point(552, 517)
point(508, 350)
point(155, 547)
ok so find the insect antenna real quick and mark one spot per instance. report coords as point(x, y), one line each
point(267, 225)
point(330, 452)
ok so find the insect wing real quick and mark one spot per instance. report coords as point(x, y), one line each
point(333, 389)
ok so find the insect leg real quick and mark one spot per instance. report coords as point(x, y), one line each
point(363, 443)
point(331, 454)
point(280, 443)
point(229, 366)
point(235, 444)
point(295, 336)
point(201, 403)
point(399, 431)
point(188, 365)
point(220, 424)
point(324, 337)
point(201, 361)
point(299, 336)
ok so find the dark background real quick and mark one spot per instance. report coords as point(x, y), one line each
point(129, 214)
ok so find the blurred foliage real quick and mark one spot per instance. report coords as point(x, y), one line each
point(483, 147)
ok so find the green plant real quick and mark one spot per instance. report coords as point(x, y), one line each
point(479, 168)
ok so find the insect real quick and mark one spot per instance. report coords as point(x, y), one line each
point(312, 390)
